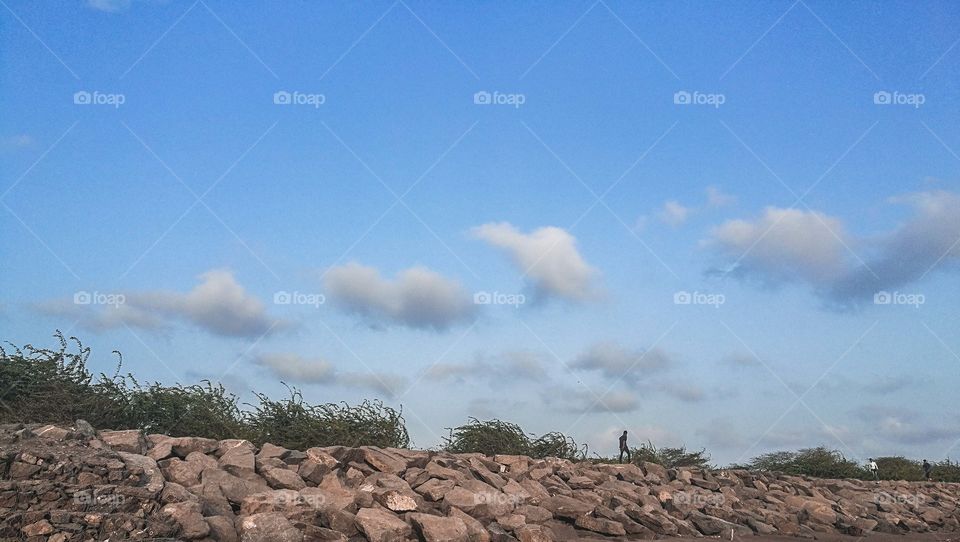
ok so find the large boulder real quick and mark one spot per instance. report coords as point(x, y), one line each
point(440, 529)
point(130, 441)
point(190, 518)
point(380, 525)
point(282, 478)
point(234, 489)
point(268, 527)
point(567, 507)
point(236, 457)
point(153, 480)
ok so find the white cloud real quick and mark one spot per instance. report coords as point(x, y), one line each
point(674, 214)
point(742, 360)
point(581, 401)
point(507, 367)
point(297, 369)
point(218, 305)
point(686, 392)
point(716, 198)
point(293, 367)
point(417, 297)
point(722, 434)
point(928, 242)
point(16, 141)
point(808, 246)
point(110, 6)
point(389, 385)
point(784, 245)
point(548, 256)
point(615, 362)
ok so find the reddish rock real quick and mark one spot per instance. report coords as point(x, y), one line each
point(40, 528)
point(130, 441)
point(440, 529)
point(268, 527)
point(380, 525)
point(190, 518)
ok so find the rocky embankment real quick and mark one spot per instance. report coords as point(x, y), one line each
point(74, 483)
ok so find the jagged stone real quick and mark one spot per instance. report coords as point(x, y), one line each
point(190, 518)
point(268, 527)
point(282, 478)
point(130, 441)
point(380, 525)
point(83, 488)
point(600, 525)
point(440, 529)
point(395, 501)
point(567, 507)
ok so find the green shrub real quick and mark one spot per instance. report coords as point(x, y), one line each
point(498, 437)
point(292, 423)
point(819, 462)
point(670, 457)
point(899, 468)
point(946, 471)
point(40, 386)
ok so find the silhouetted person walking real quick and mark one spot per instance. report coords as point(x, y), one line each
point(872, 465)
point(927, 467)
point(624, 447)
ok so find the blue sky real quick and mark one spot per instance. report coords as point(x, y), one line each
point(770, 266)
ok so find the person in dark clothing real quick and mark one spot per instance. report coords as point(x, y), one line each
point(624, 447)
point(927, 467)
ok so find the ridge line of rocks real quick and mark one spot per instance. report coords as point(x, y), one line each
point(73, 483)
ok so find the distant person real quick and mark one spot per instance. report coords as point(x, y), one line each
point(624, 447)
point(872, 466)
point(927, 467)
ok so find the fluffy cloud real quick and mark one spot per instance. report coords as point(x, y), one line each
point(615, 362)
point(110, 6)
point(16, 141)
point(582, 401)
point(686, 392)
point(716, 198)
point(807, 246)
point(930, 239)
point(742, 360)
point(674, 214)
point(294, 368)
point(908, 427)
point(722, 434)
point(507, 367)
point(785, 244)
point(218, 305)
point(548, 256)
point(417, 297)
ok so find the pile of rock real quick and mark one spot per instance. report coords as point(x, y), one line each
point(65, 484)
